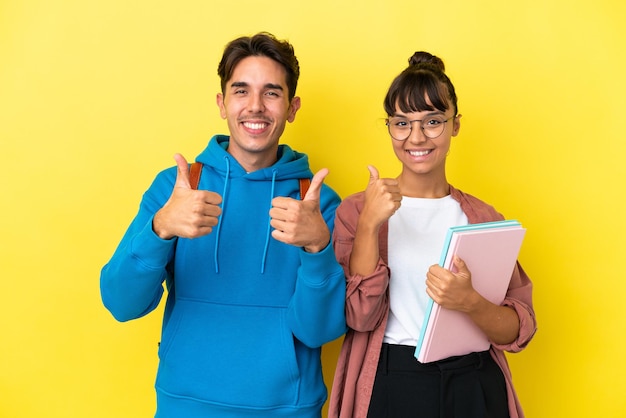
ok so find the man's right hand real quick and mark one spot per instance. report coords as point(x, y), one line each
point(188, 213)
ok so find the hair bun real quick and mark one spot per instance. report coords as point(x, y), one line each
point(421, 58)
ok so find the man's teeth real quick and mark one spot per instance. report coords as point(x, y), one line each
point(250, 125)
point(419, 153)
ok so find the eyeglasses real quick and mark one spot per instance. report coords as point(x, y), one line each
point(400, 128)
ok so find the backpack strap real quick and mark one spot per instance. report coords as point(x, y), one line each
point(304, 186)
point(194, 175)
point(196, 170)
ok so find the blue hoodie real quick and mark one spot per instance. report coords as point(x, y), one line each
point(246, 315)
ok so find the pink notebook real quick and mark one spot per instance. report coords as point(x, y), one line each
point(490, 251)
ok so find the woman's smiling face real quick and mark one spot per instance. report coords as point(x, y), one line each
point(419, 153)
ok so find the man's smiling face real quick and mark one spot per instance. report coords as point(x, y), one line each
point(256, 105)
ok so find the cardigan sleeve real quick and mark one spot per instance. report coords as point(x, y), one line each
point(519, 298)
point(367, 299)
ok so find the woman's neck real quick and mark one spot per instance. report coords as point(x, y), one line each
point(423, 185)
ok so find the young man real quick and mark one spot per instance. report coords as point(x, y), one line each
point(254, 289)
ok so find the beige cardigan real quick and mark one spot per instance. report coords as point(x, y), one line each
point(367, 309)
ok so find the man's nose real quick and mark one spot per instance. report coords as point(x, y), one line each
point(255, 104)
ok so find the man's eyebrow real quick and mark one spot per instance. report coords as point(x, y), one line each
point(270, 86)
point(239, 84)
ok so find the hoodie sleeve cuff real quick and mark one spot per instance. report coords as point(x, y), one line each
point(150, 249)
point(317, 268)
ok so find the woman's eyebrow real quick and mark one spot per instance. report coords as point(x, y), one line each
point(432, 113)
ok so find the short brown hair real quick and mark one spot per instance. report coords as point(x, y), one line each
point(262, 44)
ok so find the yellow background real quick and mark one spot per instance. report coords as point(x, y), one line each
point(96, 97)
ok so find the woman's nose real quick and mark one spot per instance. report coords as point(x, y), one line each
point(417, 134)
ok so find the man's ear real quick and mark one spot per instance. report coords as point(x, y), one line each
point(293, 108)
point(219, 99)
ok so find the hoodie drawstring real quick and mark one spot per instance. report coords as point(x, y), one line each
point(269, 227)
point(219, 223)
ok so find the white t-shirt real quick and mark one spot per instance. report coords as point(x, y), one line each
point(416, 235)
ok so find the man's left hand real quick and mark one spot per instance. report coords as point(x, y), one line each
point(300, 222)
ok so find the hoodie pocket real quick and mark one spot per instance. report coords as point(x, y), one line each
point(234, 355)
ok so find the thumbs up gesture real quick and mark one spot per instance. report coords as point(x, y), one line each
point(382, 198)
point(188, 213)
point(300, 222)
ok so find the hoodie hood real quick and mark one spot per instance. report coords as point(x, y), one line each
point(289, 165)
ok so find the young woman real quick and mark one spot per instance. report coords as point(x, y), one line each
point(388, 239)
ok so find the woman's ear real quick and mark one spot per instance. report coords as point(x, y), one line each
point(456, 125)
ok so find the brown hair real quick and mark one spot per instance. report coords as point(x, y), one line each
point(423, 79)
point(262, 44)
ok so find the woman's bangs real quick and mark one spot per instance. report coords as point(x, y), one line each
point(415, 96)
